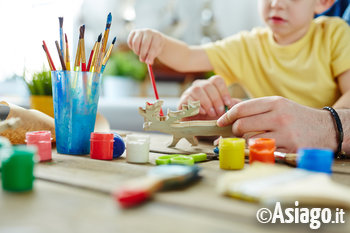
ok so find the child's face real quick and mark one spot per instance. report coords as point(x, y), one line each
point(287, 18)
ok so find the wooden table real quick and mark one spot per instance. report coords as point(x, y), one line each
point(73, 194)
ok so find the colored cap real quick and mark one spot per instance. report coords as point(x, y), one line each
point(37, 136)
point(118, 146)
point(101, 136)
point(317, 160)
point(262, 143)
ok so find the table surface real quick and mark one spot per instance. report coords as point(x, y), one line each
point(73, 194)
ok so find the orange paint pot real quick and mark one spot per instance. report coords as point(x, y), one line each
point(262, 150)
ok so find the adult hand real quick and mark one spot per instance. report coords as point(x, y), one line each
point(291, 124)
point(213, 95)
point(146, 43)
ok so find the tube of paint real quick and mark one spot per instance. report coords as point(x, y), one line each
point(231, 153)
point(137, 148)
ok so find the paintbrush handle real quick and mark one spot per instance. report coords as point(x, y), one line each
point(137, 191)
point(60, 55)
point(288, 158)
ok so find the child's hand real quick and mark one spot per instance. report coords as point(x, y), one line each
point(213, 95)
point(146, 43)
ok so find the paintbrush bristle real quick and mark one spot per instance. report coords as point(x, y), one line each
point(115, 38)
point(82, 31)
point(109, 19)
point(99, 38)
point(65, 37)
point(61, 21)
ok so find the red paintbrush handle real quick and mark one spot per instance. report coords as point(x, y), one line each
point(130, 198)
point(90, 58)
point(83, 67)
point(153, 81)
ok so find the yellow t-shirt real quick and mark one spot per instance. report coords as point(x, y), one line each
point(304, 71)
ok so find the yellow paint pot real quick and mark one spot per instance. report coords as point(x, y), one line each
point(42, 103)
point(231, 153)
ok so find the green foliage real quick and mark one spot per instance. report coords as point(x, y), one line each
point(126, 64)
point(40, 84)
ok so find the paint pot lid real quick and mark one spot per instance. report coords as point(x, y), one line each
point(34, 136)
point(102, 136)
point(262, 143)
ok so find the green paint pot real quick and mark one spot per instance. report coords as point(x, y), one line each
point(17, 169)
point(5, 148)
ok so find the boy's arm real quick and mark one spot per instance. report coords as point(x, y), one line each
point(344, 85)
point(184, 58)
point(150, 44)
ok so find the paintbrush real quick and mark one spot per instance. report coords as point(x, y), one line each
point(52, 66)
point(106, 33)
point(104, 43)
point(60, 55)
point(151, 75)
point(67, 53)
point(93, 53)
point(77, 56)
point(108, 54)
point(82, 48)
point(288, 158)
point(61, 36)
point(95, 58)
point(136, 191)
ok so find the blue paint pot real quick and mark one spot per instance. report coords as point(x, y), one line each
point(316, 160)
point(118, 146)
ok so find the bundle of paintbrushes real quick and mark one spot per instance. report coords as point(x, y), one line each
point(98, 57)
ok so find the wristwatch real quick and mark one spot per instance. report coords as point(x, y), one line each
point(4, 111)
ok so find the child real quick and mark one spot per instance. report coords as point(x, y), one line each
point(304, 59)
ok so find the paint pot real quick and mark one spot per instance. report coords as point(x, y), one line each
point(17, 169)
point(42, 140)
point(262, 150)
point(231, 153)
point(137, 148)
point(101, 146)
point(118, 146)
point(317, 160)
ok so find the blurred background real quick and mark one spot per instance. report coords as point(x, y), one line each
point(125, 83)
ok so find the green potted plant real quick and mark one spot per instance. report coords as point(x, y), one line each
point(123, 75)
point(41, 91)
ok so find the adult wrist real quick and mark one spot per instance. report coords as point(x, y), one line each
point(339, 131)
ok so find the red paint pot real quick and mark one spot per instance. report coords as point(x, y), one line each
point(101, 146)
point(42, 140)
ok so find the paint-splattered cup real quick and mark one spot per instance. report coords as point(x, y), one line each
point(75, 98)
